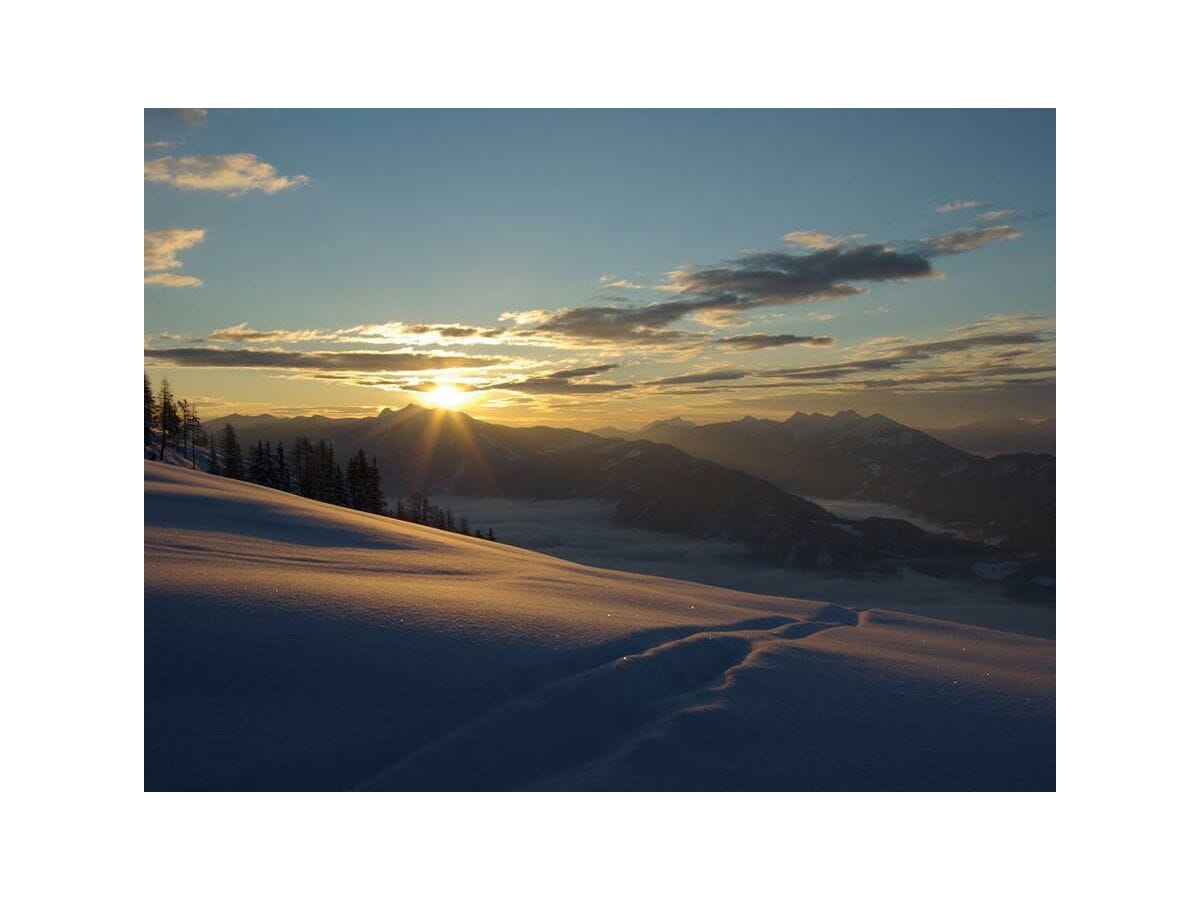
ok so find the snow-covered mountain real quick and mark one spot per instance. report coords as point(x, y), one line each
point(290, 644)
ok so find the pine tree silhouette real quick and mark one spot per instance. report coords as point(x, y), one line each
point(283, 478)
point(231, 450)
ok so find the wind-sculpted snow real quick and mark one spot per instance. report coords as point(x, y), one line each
point(294, 645)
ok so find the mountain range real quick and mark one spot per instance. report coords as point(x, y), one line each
point(1000, 434)
point(653, 484)
point(1006, 499)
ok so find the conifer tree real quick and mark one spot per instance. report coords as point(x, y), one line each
point(231, 450)
point(376, 501)
point(194, 429)
point(304, 468)
point(185, 424)
point(337, 487)
point(355, 480)
point(259, 470)
point(283, 478)
point(150, 407)
point(168, 417)
point(422, 510)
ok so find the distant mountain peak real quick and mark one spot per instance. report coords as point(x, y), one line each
point(846, 415)
point(673, 422)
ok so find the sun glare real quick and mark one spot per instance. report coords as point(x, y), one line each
point(446, 396)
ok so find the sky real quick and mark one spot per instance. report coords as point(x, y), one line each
point(591, 268)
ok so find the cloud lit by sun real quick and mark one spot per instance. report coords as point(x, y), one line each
point(445, 396)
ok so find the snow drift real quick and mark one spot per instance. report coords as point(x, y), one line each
point(291, 644)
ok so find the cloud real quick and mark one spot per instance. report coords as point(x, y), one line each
point(319, 361)
point(723, 296)
point(718, 295)
point(703, 377)
point(160, 145)
point(169, 279)
point(608, 281)
point(159, 257)
point(818, 240)
point(243, 333)
point(996, 215)
point(967, 239)
point(378, 333)
point(401, 332)
point(567, 381)
point(233, 174)
point(759, 341)
point(765, 279)
point(956, 205)
point(894, 354)
point(720, 318)
point(958, 355)
point(643, 326)
point(382, 333)
point(584, 371)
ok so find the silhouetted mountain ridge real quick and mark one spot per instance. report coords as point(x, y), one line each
point(998, 435)
point(654, 485)
point(1008, 498)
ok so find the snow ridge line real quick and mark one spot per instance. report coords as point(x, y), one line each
point(577, 718)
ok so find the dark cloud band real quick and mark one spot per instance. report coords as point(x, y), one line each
point(320, 361)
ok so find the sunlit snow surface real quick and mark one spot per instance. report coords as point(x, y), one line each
point(292, 644)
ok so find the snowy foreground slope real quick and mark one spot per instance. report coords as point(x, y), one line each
point(294, 645)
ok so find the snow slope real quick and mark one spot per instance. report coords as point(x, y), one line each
point(294, 645)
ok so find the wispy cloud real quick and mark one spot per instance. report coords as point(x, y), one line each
point(320, 361)
point(759, 341)
point(643, 326)
point(956, 205)
point(610, 281)
point(818, 240)
point(233, 174)
point(719, 296)
point(703, 377)
point(380, 333)
point(162, 246)
point(996, 215)
point(967, 239)
point(566, 381)
point(243, 333)
point(417, 333)
point(994, 351)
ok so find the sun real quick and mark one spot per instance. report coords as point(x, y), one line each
point(446, 396)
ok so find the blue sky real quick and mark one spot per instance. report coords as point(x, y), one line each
point(342, 219)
